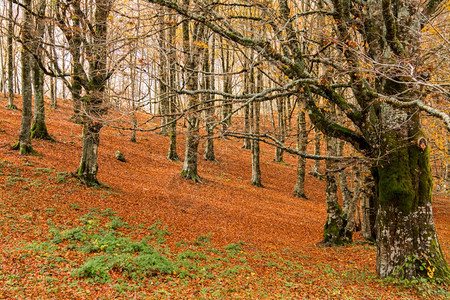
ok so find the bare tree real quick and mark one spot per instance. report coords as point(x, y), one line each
point(24, 143)
point(10, 57)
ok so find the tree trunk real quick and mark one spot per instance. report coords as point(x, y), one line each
point(192, 53)
point(24, 143)
point(77, 70)
point(162, 76)
point(10, 57)
point(299, 189)
point(88, 168)
point(334, 232)
point(256, 167)
point(209, 83)
point(39, 128)
point(407, 243)
point(352, 207)
point(368, 202)
point(52, 57)
point(247, 144)
point(227, 87)
point(345, 191)
point(316, 166)
point(281, 129)
point(172, 55)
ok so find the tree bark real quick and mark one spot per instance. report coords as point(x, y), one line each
point(299, 189)
point(316, 166)
point(209, 83)
point(256, 167)
point(247, 144)
point(334, 232)
point(281, 129)
point(407, 243)
point(162, 76)
point(11, 104)
point(172, 130)
point(227, 105)
point(192, 53)
point(39, 127)
point(24, 143)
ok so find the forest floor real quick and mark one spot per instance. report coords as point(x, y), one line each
point(148, 233)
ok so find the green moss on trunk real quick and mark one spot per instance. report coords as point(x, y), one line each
point(191, 175)
point(39, 131)
point(24, 149)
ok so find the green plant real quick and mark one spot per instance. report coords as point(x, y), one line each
point(142, 265)
point(74, 206)
point(116, 223)
point(203, 239)
point(159, 231)
point(61, 177)
point(234, 247)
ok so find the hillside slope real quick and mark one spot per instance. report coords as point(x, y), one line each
point(38, 194)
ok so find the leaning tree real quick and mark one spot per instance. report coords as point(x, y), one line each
point(375, 75)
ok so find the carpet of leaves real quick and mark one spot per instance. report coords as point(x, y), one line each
point(244, 242)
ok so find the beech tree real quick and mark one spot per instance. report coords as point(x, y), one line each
point(11, 104)
point(91, 35)
point(39, 127)
point(24, 143)
point(377, 50)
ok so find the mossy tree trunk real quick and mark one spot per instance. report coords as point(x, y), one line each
point(334, 231)
point(24, 143)
point(407, 243)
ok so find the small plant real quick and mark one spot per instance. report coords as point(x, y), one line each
point(116, 223)
point(159, 231)
point(74, 206)
point(234, 247)
point(61, 177)
point(145, 264)
point(203, 239)
point(108, 212)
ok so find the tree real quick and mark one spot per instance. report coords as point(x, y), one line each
point(92, 33)
point(24, 143)
point(382, 115)
point(192, 53)
point(172, 119)
point(209, 83)
point(299, 189)
point(255, 127)
point(39, 128)
point(11, 104)
point(163, 76)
